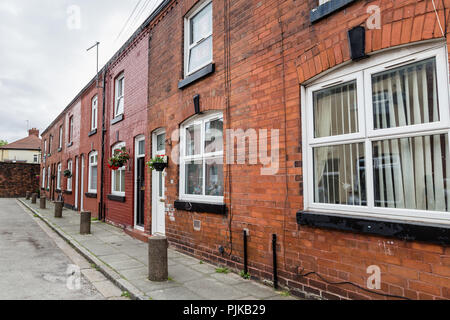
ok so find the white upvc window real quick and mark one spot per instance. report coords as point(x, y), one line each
point(60, 137)
point(49, 176)
point(119, 95)
point(58, 177)
point(50, 143)
point(44, 177)
point(93, 165)
point(118, 176)
point(69, 180)
point(377, 135)
point(201, 159)
point(94, 113)
point(45, 148)
point(70, 129)
point(198, 40)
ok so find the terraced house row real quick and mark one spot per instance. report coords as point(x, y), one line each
point(339, 184)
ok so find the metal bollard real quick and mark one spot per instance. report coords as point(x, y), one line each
point(58, 209)
point(28, 195)
point(43, 202)
point(85, 222)
point(34, 198)
point(158, 258)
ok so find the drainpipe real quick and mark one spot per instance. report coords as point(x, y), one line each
point(102, 211)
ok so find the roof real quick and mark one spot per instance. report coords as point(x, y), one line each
point(31, 142)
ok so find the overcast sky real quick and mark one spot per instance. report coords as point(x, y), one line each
point(43, 58)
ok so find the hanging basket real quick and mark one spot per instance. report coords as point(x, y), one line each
point(160, 166)
point(158, 163)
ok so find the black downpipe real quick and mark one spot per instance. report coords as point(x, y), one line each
point(275, 272)
point(245, 253)
point(102, 213)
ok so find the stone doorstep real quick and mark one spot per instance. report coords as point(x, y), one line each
point(110, 274)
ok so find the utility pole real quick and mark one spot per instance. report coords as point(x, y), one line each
point(96, 45)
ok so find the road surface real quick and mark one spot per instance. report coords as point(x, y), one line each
point(32, 266)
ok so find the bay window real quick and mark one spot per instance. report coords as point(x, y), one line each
point(378, 137)
point(201, 160)
point(93, 165)
point(118, 176)
point(198, 38)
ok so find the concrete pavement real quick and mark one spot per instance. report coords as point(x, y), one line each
point(34, 262)
point(123, 259)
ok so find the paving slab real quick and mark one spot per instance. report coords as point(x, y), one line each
point(124, 260)
point(210, 288)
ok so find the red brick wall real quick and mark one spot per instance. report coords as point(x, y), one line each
point(134, 64)
point(18, 178)
point(274, 49)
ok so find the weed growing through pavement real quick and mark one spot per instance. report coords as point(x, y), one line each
point(222, 270)
point(245, 275)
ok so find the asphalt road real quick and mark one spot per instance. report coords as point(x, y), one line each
point(32, 266)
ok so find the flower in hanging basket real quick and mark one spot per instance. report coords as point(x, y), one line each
point(158, 163)
point(119, 159)
point(67, 174)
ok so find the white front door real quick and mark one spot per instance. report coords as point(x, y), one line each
point(158, 186)
point(82, 184)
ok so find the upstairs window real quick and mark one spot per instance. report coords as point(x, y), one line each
point(119, 97)
point(71, 129)
point(60, 137)
point(94, 113)
point(198, 38)
point(378, 138)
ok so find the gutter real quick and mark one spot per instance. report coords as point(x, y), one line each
point(102, 211)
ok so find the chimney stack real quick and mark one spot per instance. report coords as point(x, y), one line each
point(33, 132)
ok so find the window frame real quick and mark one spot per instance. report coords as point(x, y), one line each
point(69, 180)
point(198, 120)
point(118, 98)
point(91, 155)
point(393, 58)
point(71, 129)
point(187, 35)
point(118, 146)
point(60, 137)
point(94, 113)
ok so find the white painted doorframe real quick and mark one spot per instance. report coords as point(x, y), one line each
point(158, 196)
point(137, 156)
point(77, 159)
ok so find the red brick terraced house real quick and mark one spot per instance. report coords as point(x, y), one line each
point(308, 142)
